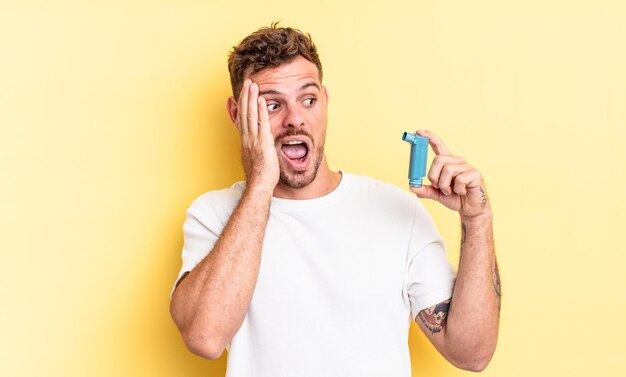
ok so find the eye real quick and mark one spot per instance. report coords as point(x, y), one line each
point(271, 107)
point(309, 101)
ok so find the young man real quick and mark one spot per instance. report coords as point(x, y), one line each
point(304, 271)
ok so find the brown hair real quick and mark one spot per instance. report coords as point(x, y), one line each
point(269, 47)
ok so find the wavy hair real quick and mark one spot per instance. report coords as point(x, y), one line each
point(269, 47)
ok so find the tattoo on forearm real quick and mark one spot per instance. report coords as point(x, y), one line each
point(435, 317)
point(496, 283)
point(484, 195)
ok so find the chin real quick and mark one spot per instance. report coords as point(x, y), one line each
point(297, 180)
point(300, 179)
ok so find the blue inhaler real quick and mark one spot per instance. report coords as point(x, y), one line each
point(419, 154)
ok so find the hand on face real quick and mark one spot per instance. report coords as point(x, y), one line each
point(455, 183)
point(258, 152)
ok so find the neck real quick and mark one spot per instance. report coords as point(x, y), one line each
point(325, 182)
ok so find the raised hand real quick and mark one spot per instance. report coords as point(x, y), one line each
point(454, 183)
point(258, 152)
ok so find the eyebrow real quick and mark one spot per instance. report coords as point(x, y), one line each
point(274, 91)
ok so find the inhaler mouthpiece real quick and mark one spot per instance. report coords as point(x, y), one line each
point(417, 162)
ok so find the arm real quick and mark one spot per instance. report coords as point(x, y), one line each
point(464, 329)
point(210, 304)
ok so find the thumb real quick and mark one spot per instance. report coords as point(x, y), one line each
point(426, 192)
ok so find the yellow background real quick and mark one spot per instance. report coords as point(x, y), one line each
point(112, 120)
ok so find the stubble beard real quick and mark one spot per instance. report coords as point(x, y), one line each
point(300, 179)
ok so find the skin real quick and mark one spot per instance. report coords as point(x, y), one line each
point(289, 102)
point(294, 101)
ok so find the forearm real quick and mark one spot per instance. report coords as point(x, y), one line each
point(472, 328)
point(210, 304)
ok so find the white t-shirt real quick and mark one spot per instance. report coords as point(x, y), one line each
point(340, 279)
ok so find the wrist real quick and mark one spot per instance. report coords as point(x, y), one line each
point(485, 217)
point(260, 190)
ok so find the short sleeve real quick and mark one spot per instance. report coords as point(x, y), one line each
point(199, 238)
point(430, 276)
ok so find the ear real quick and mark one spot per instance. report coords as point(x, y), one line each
point(325, 94)
point(231, 106)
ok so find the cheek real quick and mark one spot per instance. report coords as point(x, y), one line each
point(275, 125)
point(275, 129)
point(317, 117)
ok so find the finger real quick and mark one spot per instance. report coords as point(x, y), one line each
point(253, 110)
point(448, 174)
point(438, 163)
point(435, 142)
point(242, 114)
point(426, 192)
point(264, 118)
point(464, 180)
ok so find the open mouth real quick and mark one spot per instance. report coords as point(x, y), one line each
point(296, 152)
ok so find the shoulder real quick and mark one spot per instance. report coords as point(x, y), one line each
point(218, 202)
point(374, 188)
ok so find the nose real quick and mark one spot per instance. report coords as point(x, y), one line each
point(293, 117)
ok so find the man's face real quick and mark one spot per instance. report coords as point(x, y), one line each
point(297, 106)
